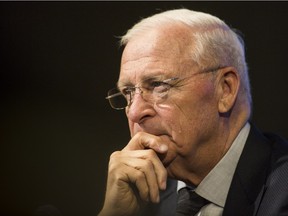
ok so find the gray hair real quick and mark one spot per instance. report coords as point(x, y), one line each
point(216, 45)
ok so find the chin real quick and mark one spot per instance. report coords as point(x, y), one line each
point(168, 159)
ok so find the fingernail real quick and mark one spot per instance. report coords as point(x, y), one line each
point(163, 148)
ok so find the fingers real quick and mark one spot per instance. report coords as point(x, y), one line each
point(139, 179)
point(121, 197)
point(154, 172)
point(144, 169)
point(143, 140)
point(145, 180)
point(136, 173)
point(153, 164)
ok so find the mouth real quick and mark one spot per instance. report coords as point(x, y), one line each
point(166, 138)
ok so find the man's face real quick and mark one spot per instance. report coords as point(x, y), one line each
point(187, 118)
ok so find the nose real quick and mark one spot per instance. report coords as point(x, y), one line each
point(139, 109)
point(136, 90)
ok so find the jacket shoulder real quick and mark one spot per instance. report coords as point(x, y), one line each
point(279, 150)
point(275, 198)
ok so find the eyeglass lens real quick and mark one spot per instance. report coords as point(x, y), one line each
point(119, 101)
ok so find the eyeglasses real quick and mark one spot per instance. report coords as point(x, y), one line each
point(151, 91)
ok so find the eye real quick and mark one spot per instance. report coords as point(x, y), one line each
point(155, 84)
point(160, 86)
point(127, 92)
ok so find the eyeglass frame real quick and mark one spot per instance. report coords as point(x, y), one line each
point(210, 70)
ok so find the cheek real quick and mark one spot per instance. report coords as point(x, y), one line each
point(188, 116)
point(133, 128)
point(175, 122)
point(181, 128)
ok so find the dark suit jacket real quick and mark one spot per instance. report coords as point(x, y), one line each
point(259, 185)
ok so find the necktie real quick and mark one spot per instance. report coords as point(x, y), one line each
point(189, 203)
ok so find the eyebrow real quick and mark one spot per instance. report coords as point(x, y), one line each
point(144, 79)
point(123, 83)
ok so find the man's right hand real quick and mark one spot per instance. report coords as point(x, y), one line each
point(135, 176)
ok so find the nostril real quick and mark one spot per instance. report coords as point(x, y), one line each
point(142, 119)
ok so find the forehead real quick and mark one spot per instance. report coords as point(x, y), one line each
point(161, 52)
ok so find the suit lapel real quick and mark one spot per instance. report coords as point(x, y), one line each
point(248, 183)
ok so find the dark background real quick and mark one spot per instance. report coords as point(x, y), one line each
point(57, 61)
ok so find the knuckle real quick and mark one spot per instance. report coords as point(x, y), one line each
point(150, 153)
point(118, 175)
point(115, 155)
point(114, 160)
point(139, 176)
point(138, 135)
point(149, 165)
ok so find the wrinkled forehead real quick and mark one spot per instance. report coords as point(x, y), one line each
point(157, 52)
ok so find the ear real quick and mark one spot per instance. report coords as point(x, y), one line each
point(228, 87)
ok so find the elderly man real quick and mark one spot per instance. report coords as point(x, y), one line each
point(185, 89)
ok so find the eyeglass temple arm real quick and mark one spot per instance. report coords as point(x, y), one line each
point(114, 95)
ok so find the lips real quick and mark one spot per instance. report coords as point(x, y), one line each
point(149, 128)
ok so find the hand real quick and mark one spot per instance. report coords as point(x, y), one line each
point(135, 176)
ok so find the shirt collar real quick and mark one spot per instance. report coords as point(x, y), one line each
point(215, 186)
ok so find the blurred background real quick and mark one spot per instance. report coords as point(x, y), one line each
point(57, 61)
